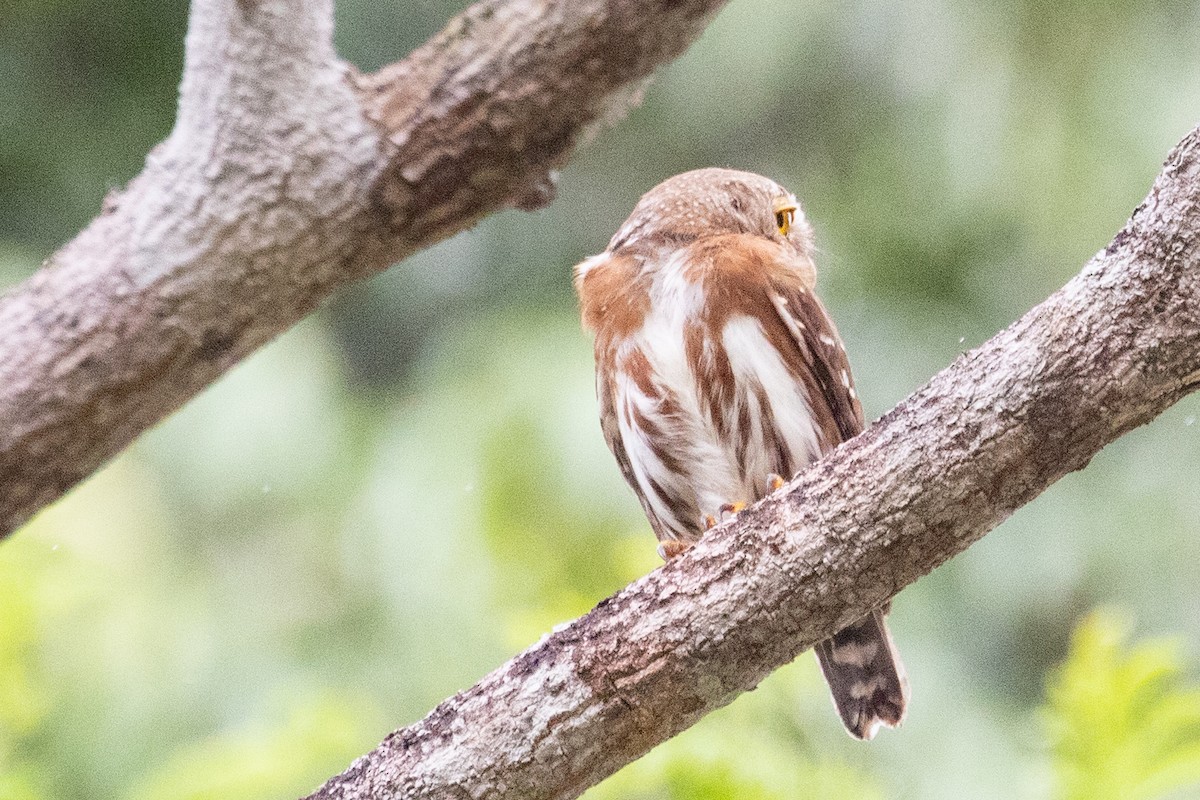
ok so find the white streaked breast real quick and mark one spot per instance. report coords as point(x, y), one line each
point(755, 361)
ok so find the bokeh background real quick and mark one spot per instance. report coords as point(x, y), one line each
point(394, 497)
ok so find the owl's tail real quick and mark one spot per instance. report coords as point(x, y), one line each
point(865, 676)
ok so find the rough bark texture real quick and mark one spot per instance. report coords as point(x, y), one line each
point(286, 176)
point(1108, 352)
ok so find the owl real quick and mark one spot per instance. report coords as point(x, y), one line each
point(719, 374)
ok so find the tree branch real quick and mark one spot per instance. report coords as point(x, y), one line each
point(1108, 352)
point(286, 176)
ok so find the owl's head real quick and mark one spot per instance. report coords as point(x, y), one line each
point(713, 202)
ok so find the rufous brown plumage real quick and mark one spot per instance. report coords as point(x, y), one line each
point(719, 374)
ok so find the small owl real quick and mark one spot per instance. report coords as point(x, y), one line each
point(719, 374)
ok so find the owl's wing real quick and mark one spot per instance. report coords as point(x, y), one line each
point(860, 662)
point(821, 348)
point(611, 305)
point(614, 300)
point(611, 428)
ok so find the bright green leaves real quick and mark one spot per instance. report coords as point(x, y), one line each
point(1121, 721)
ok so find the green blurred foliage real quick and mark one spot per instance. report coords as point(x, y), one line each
point(23, 696)
point(391, 499)
point(755, 749)
point(314, 741)
point(1122, 724)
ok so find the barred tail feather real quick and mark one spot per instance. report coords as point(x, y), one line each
point(865, 676)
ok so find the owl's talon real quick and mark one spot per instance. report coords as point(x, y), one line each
point(671, 548)
point(710, 522)
point(774, 482)
point(732, 509)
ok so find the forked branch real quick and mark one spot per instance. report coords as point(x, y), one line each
point(286, 176)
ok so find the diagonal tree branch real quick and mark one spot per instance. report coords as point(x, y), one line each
point(1108, 352)
point(286, 176)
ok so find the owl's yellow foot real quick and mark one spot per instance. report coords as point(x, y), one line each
point(774, 482)
point(671, 548)
point(731, 509)
point(726, 508)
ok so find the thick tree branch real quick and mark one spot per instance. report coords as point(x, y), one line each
point(286, 176)
point(1108, 352)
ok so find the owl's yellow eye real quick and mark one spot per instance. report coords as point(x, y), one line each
point(785, 215)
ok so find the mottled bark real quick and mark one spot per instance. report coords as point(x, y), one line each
point(1108, 352)
point(287, 175)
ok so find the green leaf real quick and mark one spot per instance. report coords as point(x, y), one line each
point(1121, 722)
